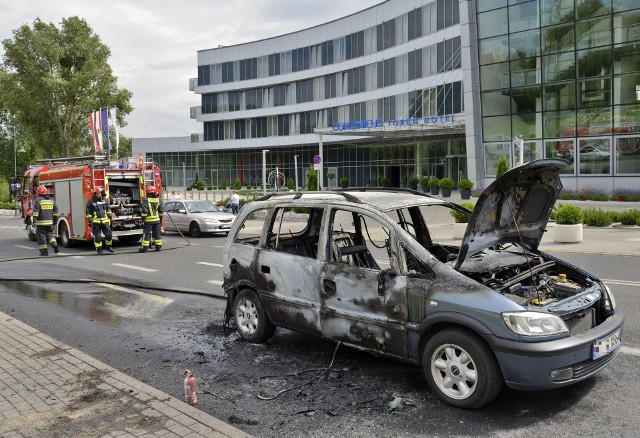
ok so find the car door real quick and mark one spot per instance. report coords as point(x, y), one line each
point(363, 295)
point(289, 270)
point(168, 219)
point(179, 216)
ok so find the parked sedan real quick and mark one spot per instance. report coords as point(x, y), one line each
point(196, 217)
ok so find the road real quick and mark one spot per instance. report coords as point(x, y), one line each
point(153, 335)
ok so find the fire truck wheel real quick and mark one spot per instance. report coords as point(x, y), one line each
point(194, 229)
point(65, 239)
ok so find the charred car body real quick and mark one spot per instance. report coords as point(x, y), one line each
point(361, 266)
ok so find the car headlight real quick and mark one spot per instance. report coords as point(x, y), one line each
point(210, 220)
point(611, 297)
point(534, 323)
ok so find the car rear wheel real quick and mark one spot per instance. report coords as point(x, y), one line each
point(250, 318)
point(461, 369)
point(194, 229)
point(65, 238)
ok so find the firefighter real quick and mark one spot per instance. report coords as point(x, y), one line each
point(45, 214)
point(99, 216)
point(152, 216)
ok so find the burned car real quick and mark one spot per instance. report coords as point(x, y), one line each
point(363, 267)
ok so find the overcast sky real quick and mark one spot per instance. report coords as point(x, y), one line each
point(154, 43)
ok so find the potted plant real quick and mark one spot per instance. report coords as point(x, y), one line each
point(433, 184)
point(465, 186)
point(446, 184)
point(424, 184)
point(344, 182)
point(413, 183)
point(568, 227)
point(385, 182)
point(331, 176)
point(461, 219)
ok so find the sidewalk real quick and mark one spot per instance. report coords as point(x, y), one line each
point(50, 389)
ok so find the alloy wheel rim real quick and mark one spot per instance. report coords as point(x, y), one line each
point(247, 317)
point(454, 371)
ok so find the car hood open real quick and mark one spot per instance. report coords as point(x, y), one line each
point(515, 208)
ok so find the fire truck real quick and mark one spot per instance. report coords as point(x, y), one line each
point(71, 182)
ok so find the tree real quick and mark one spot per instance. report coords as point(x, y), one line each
point(52, 79)
point(312, 180)
point(503, 166)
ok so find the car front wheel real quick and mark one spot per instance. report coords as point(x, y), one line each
point(461, 369)
point(194, 229)
point(250, 318)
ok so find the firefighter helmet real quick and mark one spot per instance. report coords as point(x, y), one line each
point(152, 189)
point(98, 189)
point(42, 190)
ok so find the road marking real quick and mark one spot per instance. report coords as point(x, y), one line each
point(147, 306)
point(217, 246)
point(217, 265)
point(137, 268)
point(630, 350)
point(75, 257)
point(216, 282)
point(634, 239)
point(25, 247)
point(622, 282)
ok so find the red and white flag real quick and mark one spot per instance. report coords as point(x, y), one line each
point(93, 132)
point(98, 122)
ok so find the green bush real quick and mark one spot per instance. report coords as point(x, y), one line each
point(433, 182)
point(465, 184)
point(237, 185)
point(344, 180)
point(446, 183)
point(567, 214)
point(413, 181)
point(291, 185)
point(458, 216)
point(597, 218)
point(630, 217)
point(567, 195)
point(503, 166)
point(424, 181)
point(7, 205)
point(189, 188)
point(385, 182)
point(312, 180)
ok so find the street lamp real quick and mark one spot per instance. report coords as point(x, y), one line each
point(15, 152)
point(264, 171)
point(519, 140)
point(295, 161)
point(184, 176)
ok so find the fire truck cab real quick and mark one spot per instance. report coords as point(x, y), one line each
point(71, 181)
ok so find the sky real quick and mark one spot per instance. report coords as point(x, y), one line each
point(154, 43)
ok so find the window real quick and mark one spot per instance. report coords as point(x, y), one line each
point(595, 156)
point(492, 153)
point(354, 239)
point(251, 229)
point(414, 24)
point(296, 231)
point(564, 149)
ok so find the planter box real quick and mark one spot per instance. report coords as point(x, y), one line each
point(446, 193)
point(465, 194)
point(426, 189)
point(435, 190)
point(458, 230)
point(567, 233)
point(413, 186)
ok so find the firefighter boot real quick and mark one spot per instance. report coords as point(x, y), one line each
point(44, 253)
point(143, 249)
point(56, 249)
point(158, 247)
point(99, 251)
point(108, 247)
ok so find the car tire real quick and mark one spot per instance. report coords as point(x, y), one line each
point(194, 229)
point(65, 237)
point(250, 318)
point(461, 369)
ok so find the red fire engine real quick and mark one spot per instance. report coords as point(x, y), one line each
point(71, 181)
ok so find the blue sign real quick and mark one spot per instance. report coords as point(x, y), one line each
point(317, 159)
point(379, 123)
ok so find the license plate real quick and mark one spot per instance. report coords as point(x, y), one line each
point(605, 346)
point(225, 226)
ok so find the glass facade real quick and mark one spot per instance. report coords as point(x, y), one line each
point(565, 76)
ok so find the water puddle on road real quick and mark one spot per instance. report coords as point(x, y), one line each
point(96, 301)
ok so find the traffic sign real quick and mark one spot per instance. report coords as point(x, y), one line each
point(317, 159)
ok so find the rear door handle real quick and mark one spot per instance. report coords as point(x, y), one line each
point(265, 269)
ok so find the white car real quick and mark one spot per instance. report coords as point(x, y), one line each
point(196, 217)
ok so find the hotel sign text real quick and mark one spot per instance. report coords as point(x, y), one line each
point(379, 123)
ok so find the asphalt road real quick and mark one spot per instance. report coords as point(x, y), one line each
point(153, 335)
